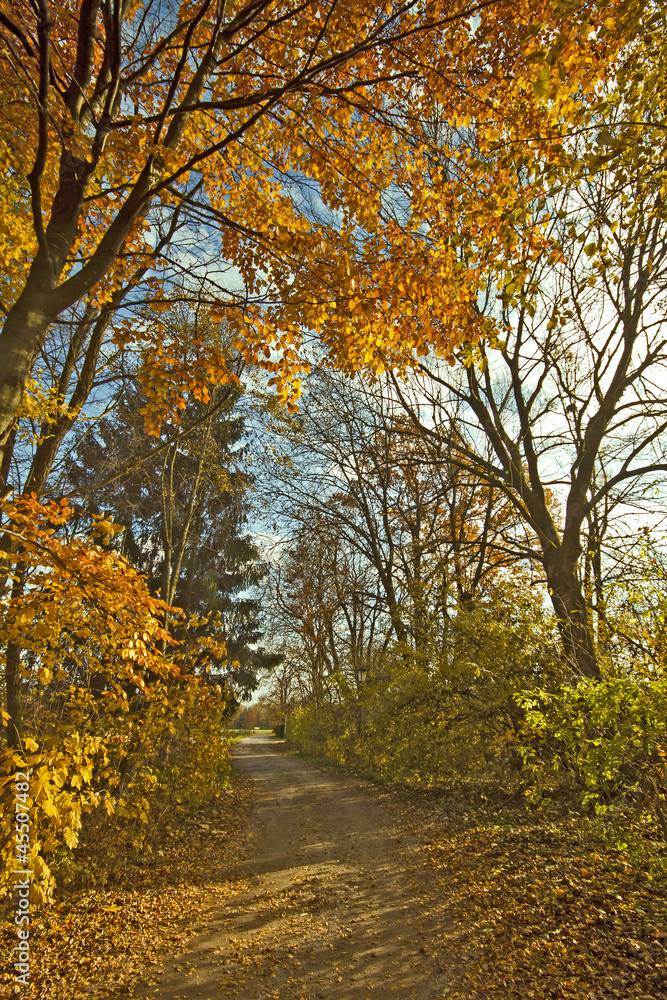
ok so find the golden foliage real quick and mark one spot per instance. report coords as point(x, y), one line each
point(358, 165)
point(105, 697)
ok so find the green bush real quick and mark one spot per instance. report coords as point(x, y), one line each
point(448, 714)
point(606, 740)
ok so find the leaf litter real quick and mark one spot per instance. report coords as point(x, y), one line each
point(112, 937)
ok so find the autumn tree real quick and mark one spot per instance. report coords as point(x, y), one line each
point(284, 687)
point(324, 611)
point(84, 357)
point(571, 399)
point(230, 116)
point(433, 535)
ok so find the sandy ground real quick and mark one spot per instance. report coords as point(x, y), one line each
point(339, 904)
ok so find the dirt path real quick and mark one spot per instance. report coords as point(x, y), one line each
point(340, 904)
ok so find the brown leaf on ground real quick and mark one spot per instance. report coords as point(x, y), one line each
point(554, 914)
point(103, 939)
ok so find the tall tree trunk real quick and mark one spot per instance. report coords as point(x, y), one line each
point(22, 336)
point(13, 689)
point(571, 610)
point(13, 675)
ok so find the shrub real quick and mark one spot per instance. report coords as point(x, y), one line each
point(606, 740)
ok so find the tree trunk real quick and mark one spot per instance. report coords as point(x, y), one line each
point(13, 673)
point(13, 687)
point(21, 338)
point(572, 615)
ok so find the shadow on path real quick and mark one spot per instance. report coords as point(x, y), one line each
point(339, 907)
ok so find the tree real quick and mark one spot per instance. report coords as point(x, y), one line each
point(571, 400)
point(265, 99)
point(357, 485)
point(102, 691)
point(84, 354)
point(323, 602)
point(283, 692)
point(182, 510)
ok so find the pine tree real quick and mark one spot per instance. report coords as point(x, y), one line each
point(183, 504)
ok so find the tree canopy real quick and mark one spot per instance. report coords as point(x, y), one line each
point(334, 154)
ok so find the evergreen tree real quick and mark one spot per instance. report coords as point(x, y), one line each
point(182, 502)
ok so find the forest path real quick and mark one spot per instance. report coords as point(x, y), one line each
point(340, 903)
